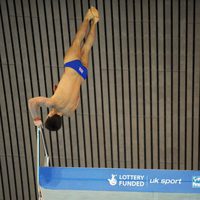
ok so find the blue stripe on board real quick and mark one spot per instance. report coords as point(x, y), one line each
point(132, 180)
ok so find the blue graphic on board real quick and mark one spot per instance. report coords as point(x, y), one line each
point(196, 181)
point(168, 181)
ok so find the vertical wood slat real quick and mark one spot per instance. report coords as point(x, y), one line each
point(193, 82)
point(104, 140)
point(107, 106)
point(140, 106)
point(94, 104)
point(2, 188)
point(122, 137)
point(6, 187)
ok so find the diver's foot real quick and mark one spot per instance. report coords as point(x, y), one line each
point(89, 15)
point(95, 14)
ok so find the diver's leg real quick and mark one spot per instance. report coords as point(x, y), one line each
point(88, 43)
point(74, 52)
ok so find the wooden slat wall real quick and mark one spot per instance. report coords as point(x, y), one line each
point(140, 105)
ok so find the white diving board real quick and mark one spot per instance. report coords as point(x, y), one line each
point(56, 183)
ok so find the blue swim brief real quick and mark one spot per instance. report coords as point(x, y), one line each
point(78, 67)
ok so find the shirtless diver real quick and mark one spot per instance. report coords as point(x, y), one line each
point(66, 97)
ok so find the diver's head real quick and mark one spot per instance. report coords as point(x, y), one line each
point(53, 121)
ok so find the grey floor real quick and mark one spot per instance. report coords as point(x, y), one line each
point(90, 195)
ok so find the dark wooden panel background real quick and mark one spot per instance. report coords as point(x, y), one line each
point(140, 105)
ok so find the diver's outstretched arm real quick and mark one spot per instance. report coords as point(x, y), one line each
point(34, 106)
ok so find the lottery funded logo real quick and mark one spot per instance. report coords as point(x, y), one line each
point(113, 180)
point(126, 180)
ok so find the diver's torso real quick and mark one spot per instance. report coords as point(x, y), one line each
point(67, 95)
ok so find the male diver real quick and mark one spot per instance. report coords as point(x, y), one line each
point(66, 97)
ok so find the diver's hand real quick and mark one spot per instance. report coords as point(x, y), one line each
point(38, 122)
